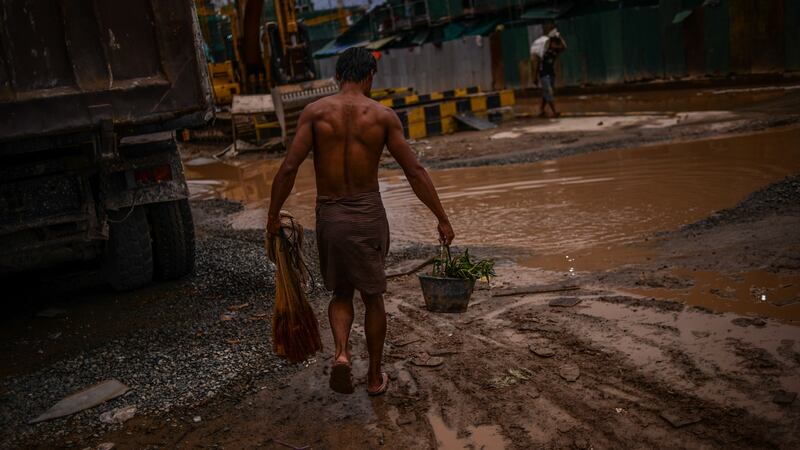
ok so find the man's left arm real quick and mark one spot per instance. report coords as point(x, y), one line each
point(283, 182)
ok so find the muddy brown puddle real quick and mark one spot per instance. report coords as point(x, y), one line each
point(586, 212)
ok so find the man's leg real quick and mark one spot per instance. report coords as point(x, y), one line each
point(553, 108)
point(340, 315)
point(375, 328)
point(542, 112)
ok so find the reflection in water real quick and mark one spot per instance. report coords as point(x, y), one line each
point(580, 212)
point(591, 205)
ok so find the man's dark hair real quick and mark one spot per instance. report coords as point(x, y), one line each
point(355, 64)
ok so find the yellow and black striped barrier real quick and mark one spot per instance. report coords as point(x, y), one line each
point(384, 93)
point(418, 99)
point(438, 118)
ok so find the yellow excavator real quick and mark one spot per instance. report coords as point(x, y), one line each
point(261, 55)
point(258, 58)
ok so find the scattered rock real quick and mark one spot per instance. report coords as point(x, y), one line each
point(701, 334)
point(238, 307)
point(118, 415)
point(105, 446)
point(564, 301)
point(225, 317)
point(748, 321)
point(542, 350)
point(570, 372)
point(406, 419)
point(782, 397)
point(680, 418)
point(197, 419)
point(427, 361)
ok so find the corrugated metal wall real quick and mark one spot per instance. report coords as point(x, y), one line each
point(613, 46)
point(430, 68)
point(792, 31)
point(632, 44)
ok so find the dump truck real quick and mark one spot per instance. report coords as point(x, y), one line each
point(90, 95)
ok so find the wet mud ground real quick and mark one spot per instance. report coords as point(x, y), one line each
point(683, 331)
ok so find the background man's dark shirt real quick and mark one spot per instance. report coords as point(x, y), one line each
point(548, 64)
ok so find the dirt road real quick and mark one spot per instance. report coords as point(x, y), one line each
point(682, 332)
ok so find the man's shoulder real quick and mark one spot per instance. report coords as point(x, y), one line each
point(319, 104)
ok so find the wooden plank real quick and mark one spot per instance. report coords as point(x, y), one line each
point(540, 289)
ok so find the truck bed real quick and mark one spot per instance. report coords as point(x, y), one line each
point(65, 66)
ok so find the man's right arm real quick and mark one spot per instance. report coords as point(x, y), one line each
point(416, 174)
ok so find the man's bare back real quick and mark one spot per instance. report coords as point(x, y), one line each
point(349, 133)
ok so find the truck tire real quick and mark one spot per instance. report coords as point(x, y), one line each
point(128, 256)
point(173, 239)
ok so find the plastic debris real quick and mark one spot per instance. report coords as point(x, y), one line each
point(680, 418)
point(85, 399)
point(118, 415)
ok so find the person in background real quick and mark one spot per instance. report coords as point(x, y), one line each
point(544, 53)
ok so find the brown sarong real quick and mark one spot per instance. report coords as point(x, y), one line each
point(353, 241)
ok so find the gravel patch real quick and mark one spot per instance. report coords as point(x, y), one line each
point(782, 197)
point(186, 356)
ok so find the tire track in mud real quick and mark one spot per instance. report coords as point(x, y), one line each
point(612, 404)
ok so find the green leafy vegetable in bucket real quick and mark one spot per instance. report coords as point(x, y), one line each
point(460, 266)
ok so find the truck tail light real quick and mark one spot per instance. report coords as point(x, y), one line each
point(155, 174)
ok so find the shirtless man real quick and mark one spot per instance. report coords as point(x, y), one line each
point(348, 132)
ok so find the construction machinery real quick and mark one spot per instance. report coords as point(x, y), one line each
point(248, 55)
point(252, 56)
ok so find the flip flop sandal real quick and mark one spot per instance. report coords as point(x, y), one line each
point(381, 390)
point(342, 378)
